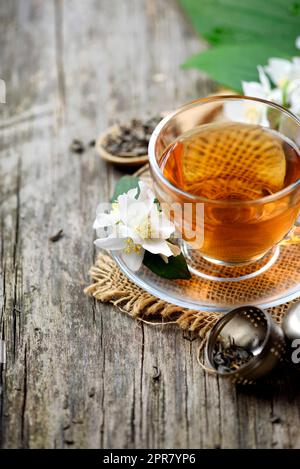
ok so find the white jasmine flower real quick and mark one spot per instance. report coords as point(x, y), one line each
point(260, 89)
point(137, 225)
point(264, 80)
point(285, 75)
point(252, 112)
point(294, 99)
point(249, 112)
point(279, 71)
point(282, 71)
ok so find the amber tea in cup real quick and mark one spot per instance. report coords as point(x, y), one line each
point(245, 175)
point(242, 162)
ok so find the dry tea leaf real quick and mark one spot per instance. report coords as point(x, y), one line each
point(77, 146)
point(57, 236)
point(131, 139)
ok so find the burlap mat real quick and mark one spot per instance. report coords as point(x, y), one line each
point(110, 285)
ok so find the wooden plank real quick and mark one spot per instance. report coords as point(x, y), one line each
point(80, 374)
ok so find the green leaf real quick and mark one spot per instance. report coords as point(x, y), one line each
point(230, 64)
point(236, 21)
point(124, 185)
point(175, 269)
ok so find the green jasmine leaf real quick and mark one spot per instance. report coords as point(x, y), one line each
point(175, 269)
point(230, 64)
point(236, 21)
point(124, 185)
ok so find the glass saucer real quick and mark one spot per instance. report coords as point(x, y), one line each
point(272, 286)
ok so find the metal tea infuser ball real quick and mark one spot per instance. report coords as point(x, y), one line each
point(291, 322)
point(253, 329)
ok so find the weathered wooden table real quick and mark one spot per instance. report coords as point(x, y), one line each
point(80, 374)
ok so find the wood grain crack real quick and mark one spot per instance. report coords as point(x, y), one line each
point(29, 117)
point(141, 374)
point(220, 429)
point(23, 411)
point(3, 274)
point(59, 44)
point(15, 254)
point(102, 425)
point(132, 415)
point(186, 398)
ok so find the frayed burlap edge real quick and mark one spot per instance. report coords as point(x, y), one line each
point(112, 286)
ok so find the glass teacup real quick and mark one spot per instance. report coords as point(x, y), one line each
point(226, 169)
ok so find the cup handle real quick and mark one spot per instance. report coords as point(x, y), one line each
point(293, 236)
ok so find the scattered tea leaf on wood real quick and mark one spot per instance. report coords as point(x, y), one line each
point(276, 419)
point(57, 236)
point(77, 146)
point(156, 374)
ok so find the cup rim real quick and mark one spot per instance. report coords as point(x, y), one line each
point(195, 198)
